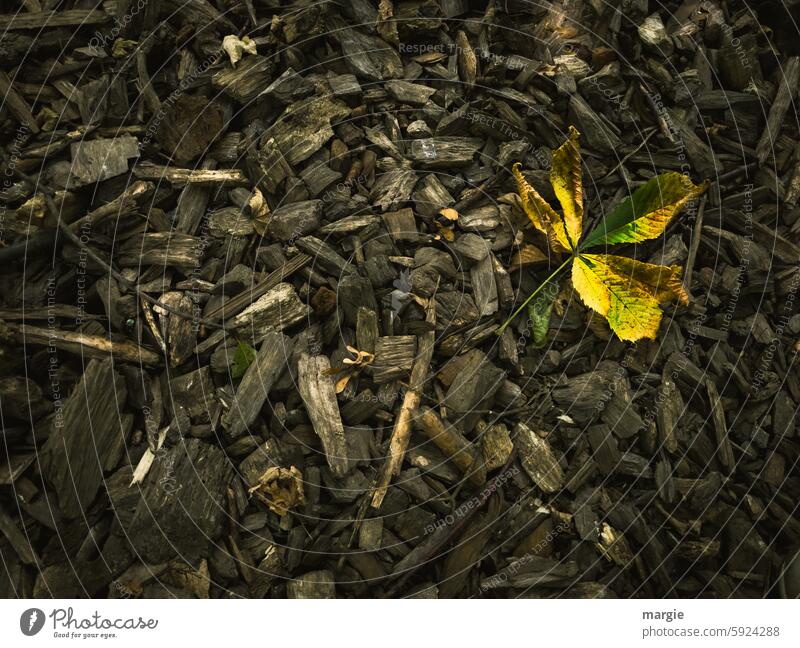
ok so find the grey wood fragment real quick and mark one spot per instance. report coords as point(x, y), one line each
point(790, 79)
point(324, 255)
point(276, 310)
point(17, 539)
point(484, 287)
point(401, 225)
point(261, 375)
point(161, 249)
point(182, 508)
point(355, 292)
point(313, 585)
point(415, 94)
point(606, 452)
point(290, 222)
point(305, 126)
point(366, 329)
point(443, 152)
point(319, 397)
point(394, 357)
point(247, 80)
point(538, 459)
point(84, 436)
point(101, 159)
point(725, 449)
point(473, 389)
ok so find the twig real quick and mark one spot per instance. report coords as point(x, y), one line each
point(450, 441)
point(629, 155)
point(694, 244)
point(401, 434)
point(94, 346)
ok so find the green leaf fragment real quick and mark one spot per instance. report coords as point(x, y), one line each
point(243, 357)
point(539, 312)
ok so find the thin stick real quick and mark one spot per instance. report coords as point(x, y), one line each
point(502, 328)
point(694, 244)
point(401, 434)
point(629, 155)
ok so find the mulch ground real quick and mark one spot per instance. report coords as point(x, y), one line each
point(246, 354)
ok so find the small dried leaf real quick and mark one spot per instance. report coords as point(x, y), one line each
point(281, 489)
point(613, 546)
point(342, 382)
point(449, 213)
point(362, 357)
point(123, 47)
point(259, 210)
point(236, 47)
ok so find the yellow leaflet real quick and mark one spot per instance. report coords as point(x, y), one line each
point(565, 176)
point(627, 292)
point(541, 214)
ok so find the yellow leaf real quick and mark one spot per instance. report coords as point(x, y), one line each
point(445, 232)
point(449, 213)
point(541, 214)
point(259, 212)
point(565, 176)
point(627, 292)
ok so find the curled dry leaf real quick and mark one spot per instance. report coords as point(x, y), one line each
point(362, 357)
point(613, 546)
point(123, 47)
point(280, 489)
point(236, 47)
point(259, 211)
point(350, 367)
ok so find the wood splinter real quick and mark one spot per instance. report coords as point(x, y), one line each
point(450, 441)
point(402, 427)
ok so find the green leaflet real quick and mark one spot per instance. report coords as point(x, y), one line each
point(539, 311)
point(646, 213)
point(242, 358)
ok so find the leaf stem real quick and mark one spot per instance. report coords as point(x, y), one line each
point(502, 328)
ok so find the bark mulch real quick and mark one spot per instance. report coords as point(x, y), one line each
point(245, 354)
